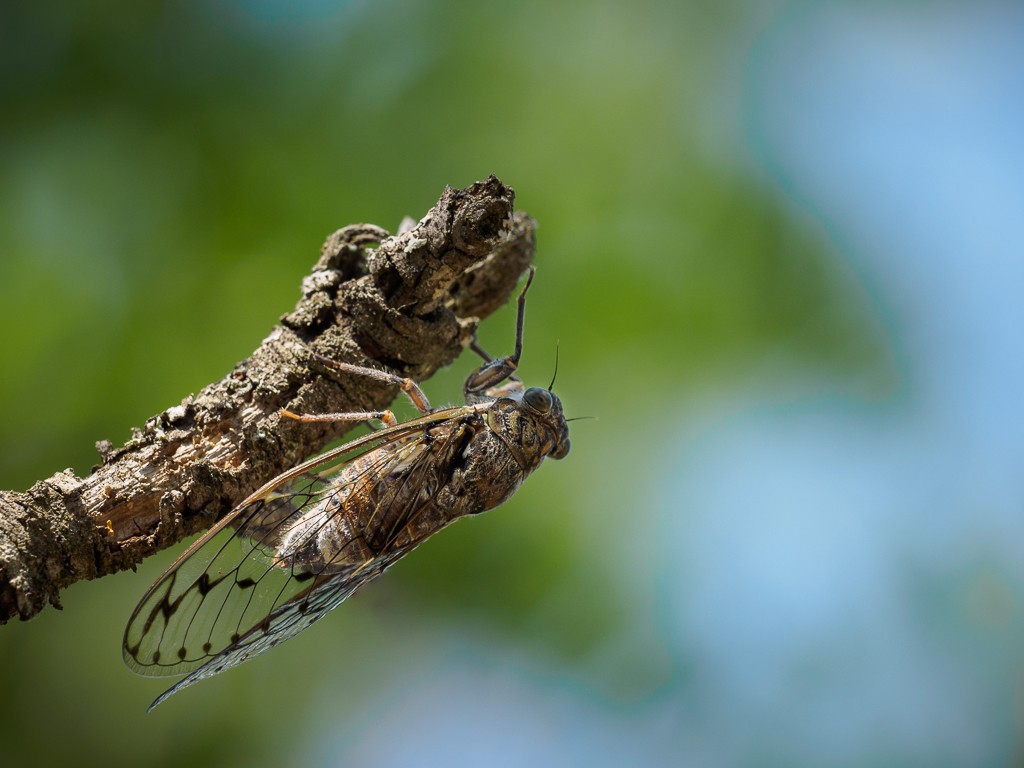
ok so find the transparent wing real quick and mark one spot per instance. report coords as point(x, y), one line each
point(283, 559)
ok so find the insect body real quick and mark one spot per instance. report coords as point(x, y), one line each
point(312, 536)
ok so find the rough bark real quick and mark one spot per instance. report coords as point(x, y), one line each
point(409, 306)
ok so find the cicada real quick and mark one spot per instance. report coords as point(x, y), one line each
point(308, 539)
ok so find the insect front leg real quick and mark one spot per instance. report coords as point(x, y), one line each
point(496, 370)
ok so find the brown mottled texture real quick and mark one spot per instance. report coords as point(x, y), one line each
point(410, 305)
point(305, 542)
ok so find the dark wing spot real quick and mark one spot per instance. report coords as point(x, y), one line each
point(246, 583)
point(207, 647)
point(166, 608)
point(205, 584)
point(156, 657)
point(235, 638)
point(181, 653)
point(302, 576)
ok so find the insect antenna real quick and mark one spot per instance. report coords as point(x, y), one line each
point(555, 375)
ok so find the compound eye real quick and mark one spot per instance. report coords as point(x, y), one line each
point(538, 399)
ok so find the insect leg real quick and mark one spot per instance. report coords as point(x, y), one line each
point(386, 416)
point(515, 384)
point(475, 346)
point(495, 371)
point(408, 386)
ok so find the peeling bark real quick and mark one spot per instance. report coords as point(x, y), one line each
point(410, 305)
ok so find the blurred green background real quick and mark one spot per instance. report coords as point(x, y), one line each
point(779, 252)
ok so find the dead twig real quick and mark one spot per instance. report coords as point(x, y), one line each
point(409, 305)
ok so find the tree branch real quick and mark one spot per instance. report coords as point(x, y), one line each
point(410, 305)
